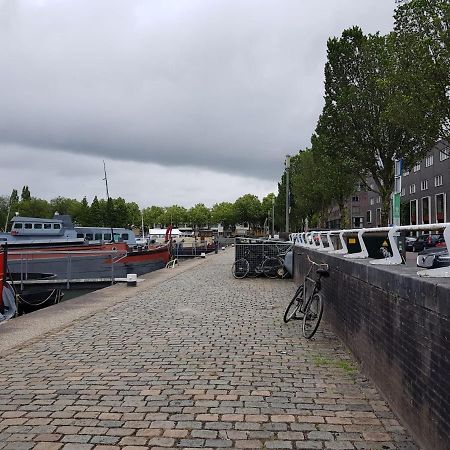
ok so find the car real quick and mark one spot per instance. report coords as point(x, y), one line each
point(432, 258)
point(409, 241)
point(428, 240)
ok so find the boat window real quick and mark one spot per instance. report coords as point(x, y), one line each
point(38, 226)
point(47, 226)
point(57, 226)
point(98, 236)
point(89, 236)
point(117, 237)
point(28, 226)
point(17, 225)
point(107, 236)
point(80, 235)
point(125, 236)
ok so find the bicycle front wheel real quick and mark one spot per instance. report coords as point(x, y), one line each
point(240, 268)
point(313, 315)
point(294, 306)
point(271, 267)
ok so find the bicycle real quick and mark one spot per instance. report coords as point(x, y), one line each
point(311, 309)
point(271, 266)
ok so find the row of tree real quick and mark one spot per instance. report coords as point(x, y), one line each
point(387, 97)
point(119, 213)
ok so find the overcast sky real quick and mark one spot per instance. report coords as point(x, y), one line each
point(187, 101)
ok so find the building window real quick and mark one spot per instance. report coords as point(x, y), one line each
point(438, 180)
point(406, 173)
point(413, 212)
point(358, 222)
point(378, 199)
point(429, 161)
point(355, 198)
point(403, 192)
point(372, 201)
point(369, 216)
point(412, 189)
point(443, 156)
point(424, 185)
point(426, 210)
point(378, 216)
point(441, 213)
point(416, 168)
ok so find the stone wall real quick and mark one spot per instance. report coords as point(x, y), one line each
point(398, 327)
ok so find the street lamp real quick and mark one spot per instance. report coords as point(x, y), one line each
point(273, 216)
point(287, 164)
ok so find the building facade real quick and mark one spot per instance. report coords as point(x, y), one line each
point(425, 195)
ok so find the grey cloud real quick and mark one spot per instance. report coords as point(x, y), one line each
point(231, 86)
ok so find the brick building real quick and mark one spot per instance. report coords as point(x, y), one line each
point(425, 196)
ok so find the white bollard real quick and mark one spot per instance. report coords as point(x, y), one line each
point(131, 279)
point(203, 255)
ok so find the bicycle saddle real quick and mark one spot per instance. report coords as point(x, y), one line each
point(323, 273)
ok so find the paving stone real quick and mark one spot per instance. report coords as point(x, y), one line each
point(201, 361)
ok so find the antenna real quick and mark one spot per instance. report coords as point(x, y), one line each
point(108, 199)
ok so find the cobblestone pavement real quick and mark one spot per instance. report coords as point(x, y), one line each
point(202, 360)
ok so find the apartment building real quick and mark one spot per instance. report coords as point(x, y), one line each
point(425, 195)
point(426, 188)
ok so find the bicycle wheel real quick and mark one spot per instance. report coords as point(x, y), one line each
point(271, 267)
point(240, 268)
point(294, 306)
point(313, 314)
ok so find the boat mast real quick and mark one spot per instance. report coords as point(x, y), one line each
point(109, 202)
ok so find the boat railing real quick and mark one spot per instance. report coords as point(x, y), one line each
point(25, 256)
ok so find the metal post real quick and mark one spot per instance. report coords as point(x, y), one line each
point(273, 216)
point(287, 164)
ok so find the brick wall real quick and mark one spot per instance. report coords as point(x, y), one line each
point(398, 327)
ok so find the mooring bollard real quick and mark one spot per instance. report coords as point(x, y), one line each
point(131, 279)
point(203, 255)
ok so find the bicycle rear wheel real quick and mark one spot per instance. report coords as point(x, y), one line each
point(271, 267)
point(240, 268)
point(294, 306)
point(313, 315)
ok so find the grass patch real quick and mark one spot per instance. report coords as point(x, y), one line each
point(344, 364)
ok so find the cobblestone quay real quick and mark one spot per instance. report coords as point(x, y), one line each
point(200, 360)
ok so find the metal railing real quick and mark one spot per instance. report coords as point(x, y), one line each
point(315, 240)
point(27, 256)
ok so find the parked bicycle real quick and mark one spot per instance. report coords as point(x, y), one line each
point(307, 303)
point(270, 266)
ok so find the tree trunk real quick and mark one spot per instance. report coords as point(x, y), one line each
point(386, 207)
point(343, 211)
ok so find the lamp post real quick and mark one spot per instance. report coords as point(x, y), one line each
point(287, 164)
point(273, 216)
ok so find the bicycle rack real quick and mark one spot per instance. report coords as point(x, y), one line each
point(306, 239)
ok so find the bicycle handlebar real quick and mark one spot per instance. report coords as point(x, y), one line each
point(317, 264)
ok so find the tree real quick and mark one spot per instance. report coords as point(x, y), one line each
point(95, 214)
point(223, 213)
point(175, 215)
point(25, 193)
point(35, 207)
point(152, 215)
point(358, 94)
point(134, 215)
point(248, 209)
point(421, 100)
point(83, 213)
point(199, 215)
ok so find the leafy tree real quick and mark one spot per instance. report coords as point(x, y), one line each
point(421, 100)
point(152, 215)
point(224, 214)
point(83, 213)
point(133, 214)
point(35, 207)
point(248, 209)
point(358, 92)
point(25, 193)
point(175, 215)
point(199, 215)
point(95, 214)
